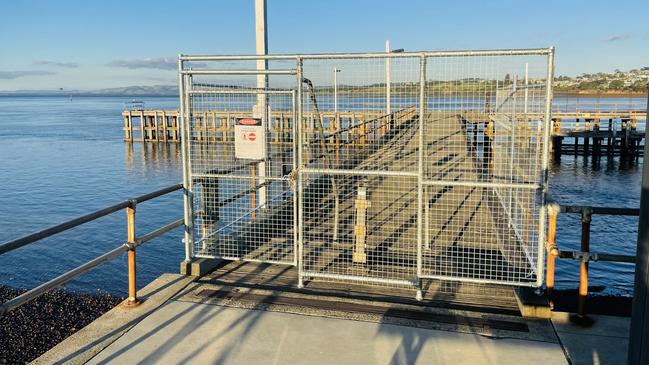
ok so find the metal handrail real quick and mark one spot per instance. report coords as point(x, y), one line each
point(129, 246)
point(584, 255)
point(31, 238)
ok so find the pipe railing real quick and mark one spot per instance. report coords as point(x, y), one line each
point(584, 255)
point(132, 241)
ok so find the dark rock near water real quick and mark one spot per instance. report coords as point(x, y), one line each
point(32, 329)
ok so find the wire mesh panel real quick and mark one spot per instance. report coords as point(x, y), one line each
point(359, 171)
point(484, 142)
point(244, 205)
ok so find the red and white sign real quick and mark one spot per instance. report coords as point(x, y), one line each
point(249, 139)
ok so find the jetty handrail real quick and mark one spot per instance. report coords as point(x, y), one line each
point(129, 246)
point(584, 255)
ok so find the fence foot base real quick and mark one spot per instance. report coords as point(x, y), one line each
point(419, 296)
point(199, 267)
point(581, 320)
point(131, 303)
point(532, 304)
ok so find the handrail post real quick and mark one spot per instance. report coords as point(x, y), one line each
point(551, 245)
point(131, 242)
point(586, 217)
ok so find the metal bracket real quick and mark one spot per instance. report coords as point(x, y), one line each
point(585, 256)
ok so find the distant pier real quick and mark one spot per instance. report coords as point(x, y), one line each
point(218, 126)
point(597, 134)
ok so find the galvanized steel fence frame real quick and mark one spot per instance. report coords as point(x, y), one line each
point(302, 170)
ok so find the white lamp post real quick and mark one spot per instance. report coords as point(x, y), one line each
point(336, 70)
point(388, 91)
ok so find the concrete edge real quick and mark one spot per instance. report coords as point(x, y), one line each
point(93, 338)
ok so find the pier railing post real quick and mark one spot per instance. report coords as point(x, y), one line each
point(586, 217)
point(131, 241)
point(551, 246)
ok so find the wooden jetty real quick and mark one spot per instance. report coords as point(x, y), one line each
point(218, 126)
point(597, 133)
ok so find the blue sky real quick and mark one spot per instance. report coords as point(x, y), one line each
point(99, 44)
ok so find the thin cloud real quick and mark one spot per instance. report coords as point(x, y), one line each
point(10, 75)
point(55, 63)
point(160, 63)
point(616, 38)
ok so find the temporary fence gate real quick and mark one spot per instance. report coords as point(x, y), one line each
point(382, 168)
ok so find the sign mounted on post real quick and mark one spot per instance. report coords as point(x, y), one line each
point(249, 139)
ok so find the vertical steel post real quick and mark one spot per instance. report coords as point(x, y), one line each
point(639, 333)
point(420, 168)
point(547, 123)
point(300, 178)
point(293, 178)
point(130, 240)
point(185, 153)
point(514, 117)
point(261, 36)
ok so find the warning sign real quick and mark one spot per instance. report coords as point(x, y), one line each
point(249, 139)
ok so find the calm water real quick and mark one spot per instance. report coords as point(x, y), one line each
point(63, 158)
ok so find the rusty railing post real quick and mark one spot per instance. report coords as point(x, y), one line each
point(131, 241)
point(551, 246)
point(586, 217)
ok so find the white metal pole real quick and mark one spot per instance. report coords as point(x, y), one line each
point(336, 91)
point(387, 79)
point(261, 109)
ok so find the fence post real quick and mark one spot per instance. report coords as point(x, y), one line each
point(586, 217)
point(420, 174)
point(130, 239)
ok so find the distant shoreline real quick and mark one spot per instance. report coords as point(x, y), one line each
point(594, 94)
point(561, 94)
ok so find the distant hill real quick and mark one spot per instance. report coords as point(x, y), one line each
point(156, 90)
point(632, 81)
point(613, 83)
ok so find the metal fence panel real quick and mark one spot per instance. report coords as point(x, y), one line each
point(385, 169)
point(484, 147)
point(244, 209)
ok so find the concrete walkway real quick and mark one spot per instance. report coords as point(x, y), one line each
point(605, 342)
point(180, 324)
point(186, 332)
